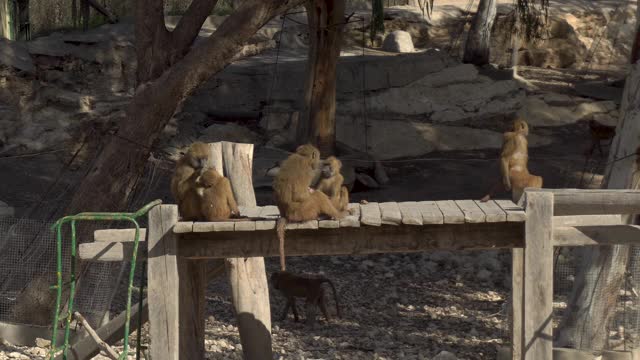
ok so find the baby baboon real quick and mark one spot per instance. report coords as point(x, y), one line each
point(216, 197)
point(292, 286)
point(513, 163)
point(331, 183)
point(599, 132)
point(293, 194)
point(183, 182)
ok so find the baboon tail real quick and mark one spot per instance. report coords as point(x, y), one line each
point(335, 296)
point(281, 226)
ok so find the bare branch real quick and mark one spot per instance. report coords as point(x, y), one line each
point(103, 345)
point(189, 26)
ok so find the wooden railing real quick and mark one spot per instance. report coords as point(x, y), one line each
point(547, 218)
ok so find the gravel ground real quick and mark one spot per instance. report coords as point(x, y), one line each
point(438, 305)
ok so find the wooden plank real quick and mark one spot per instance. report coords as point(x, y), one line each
point(492, 212)
point(111, 251)
point(514, 212)
point(593, 202)
point(111, 332)
point(250, 211)
point(357, 241)
point(311, 224)
point(410, 213)
point(328, 224)
point(451, 212)
point(247, 276)
point(352, 220)
point(537, 342)
point(517, 293)
point(206, 226)
point(183, 227)
point(431, 213)
point(269, 212)
point(265, 225)
point(586, 220)
point(114, 235)
point(245, 226)
point(370, 214)
point(390, 213)
point(184, 302)
point(596, 235)
point(471, 211)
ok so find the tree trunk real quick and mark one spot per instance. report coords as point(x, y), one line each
point(477, 48)
point(601, 272)
point(162, 86)
point(326, 22)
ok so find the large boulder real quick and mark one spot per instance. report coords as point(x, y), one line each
point(398, 41)
point(389, 139)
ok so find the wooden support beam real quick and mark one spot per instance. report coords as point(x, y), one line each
point(115, 235)
point(111, 251)
point(111, 332)
point(355, 241)
point(176, 286)
point(596, 235)
point(537, 340)
point(593, 202)
point(586, 220)
point(517, 305)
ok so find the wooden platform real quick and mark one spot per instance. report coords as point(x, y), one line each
point(375, 214)
point(413, 226)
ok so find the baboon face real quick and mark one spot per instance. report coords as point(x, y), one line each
point(521, 126)
point(197, 155)
point(331, 167)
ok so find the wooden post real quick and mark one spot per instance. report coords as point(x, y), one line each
point(517, 268)
point(176, 289)
point(247, 276)
point(537, 299)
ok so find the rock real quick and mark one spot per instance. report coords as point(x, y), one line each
point(445, 355)
point(390, 139)
point(398, 41)
point(15, 355)
point(229, 132)
point(275, 121)
point(367, 180)
point(379, 173)
point(15, 55)
point(292, 38)
point(6, 210)
point(43, 343)
point(539, 113)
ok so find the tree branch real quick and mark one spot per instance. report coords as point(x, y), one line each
point(151, 38)
point(109, 183)
point(189, 26)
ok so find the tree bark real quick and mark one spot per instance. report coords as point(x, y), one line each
point(601, 272)
point(477, 49)
point(326, 22)
point(120, 163)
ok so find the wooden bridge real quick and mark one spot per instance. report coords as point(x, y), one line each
point(547, 218)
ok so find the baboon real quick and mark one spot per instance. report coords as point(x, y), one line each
point(292, 286)
point(215, 196)
point(598, 133)
point(514, 159)
point(331, 182)
point(183, 182)
point(293, 194)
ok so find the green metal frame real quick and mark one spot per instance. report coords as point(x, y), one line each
point(92, 216)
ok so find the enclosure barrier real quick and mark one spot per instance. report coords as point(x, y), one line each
point(175, 250)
